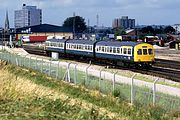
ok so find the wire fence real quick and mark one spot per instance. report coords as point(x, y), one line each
point(101, 80)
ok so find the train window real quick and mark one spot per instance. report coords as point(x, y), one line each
point(102, 49)
point(145, 52)
point(121, 50)
point(139, 52)
point(129, 51)
point(114, 50)
point(125, 51)
point(108, 49)
point(86, 47)
point(118, 50)
point(150, 51)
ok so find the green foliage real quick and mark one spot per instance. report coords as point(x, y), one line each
point(77, 22)
point(48, 109)
point(169, 29)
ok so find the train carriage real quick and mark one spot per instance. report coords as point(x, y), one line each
point(80, 48)
point(55, 45)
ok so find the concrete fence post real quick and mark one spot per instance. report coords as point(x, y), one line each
point(57, 71)
point(75, 74)
point(87, 73)
point(30, 61)
point(42, 65)
point(114, 81)
point(100, 76)
point(50, 67)
point(132, 88)
point(154, 91)
point(36, 64)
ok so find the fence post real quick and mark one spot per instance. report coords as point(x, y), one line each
point(154, 91)
point(75, 74)
point(114, 81)
point(132, 89)
point(30, 61)
point(36, 64)
point(87, 73)
point(50, 67)
point(57, 71)
point(100, 78)
point(42, 66)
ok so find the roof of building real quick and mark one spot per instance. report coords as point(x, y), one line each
point(43, 28)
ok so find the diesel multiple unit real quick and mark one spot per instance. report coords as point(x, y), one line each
point(126, 53)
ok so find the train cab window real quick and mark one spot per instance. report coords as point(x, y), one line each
point(145, 52)
point(125, 51)
point(118, 50)
point(114, 50)
point(139, 52)
point(150, 51)
point(129, 51)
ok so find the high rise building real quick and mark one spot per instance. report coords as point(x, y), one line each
point(123, 22)
point(28, 16)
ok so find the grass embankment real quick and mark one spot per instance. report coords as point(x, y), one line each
point(27, 94)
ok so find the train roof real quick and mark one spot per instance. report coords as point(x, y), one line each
point(89, 42)
point(56, 40)
point(117, 43)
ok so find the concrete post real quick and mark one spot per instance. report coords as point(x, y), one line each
point(100, 78)
point(132, 89)
point(87, 73)
point(114, 81)
point(50, 67)
point(57, 71)
point(75, 74)
point(154, 91)
point(42, 65)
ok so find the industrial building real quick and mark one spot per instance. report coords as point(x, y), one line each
point(45, 30)
point(28, 16)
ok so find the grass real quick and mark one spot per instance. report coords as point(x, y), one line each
point(90, 104)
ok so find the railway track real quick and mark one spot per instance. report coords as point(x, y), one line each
point(162, 68)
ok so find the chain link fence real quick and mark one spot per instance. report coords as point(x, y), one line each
point(101, 80)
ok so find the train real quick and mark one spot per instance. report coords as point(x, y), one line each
point(126, 53)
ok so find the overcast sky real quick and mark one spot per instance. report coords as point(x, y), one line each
point(146, 12)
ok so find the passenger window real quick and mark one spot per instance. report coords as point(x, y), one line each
point(129, 51)
point(102, 49)
point(121, 50)
point(139, 52)
point(150, 51)
point(110, 49)
point(118, 50)
point(114, 50)
point(145, 52)
point(125, 51)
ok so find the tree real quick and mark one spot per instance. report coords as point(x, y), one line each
point(148, 30)
point(169, 29)
point(77, 23)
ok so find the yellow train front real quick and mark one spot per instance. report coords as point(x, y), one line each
point(144, 55)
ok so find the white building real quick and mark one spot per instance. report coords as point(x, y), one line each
point(28, 16)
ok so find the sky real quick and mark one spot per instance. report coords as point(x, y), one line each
point(146, 12)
